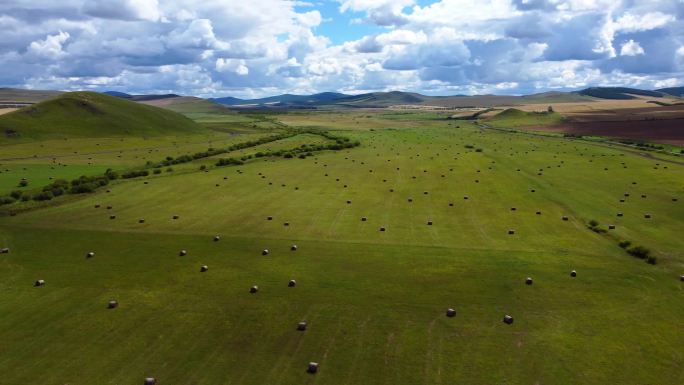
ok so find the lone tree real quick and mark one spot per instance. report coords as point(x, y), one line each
point(550, 110)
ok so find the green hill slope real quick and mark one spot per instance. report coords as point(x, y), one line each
point(513, 117)
point(89, 114)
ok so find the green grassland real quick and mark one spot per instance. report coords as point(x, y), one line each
point(514, 118)
point(374, 301)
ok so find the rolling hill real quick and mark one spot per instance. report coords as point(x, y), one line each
point(618, 93)
point(287, 99)
point(17, 95)
point(89, 114)
point(674, 91)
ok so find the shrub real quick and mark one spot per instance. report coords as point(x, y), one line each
point(111, 174)
point(593, 223)
point(135, 174)
point(229, 162)
point(639, 252)
point(287, 155)
point(651, 260)
point(203, 167)
point(169, 169)
point(7, 200)
point(624, 244)
point(23, 183)
point(43, 196)
point(156, 171)
point(25, 197)
point(16, 194)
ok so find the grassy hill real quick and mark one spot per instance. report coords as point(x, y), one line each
point(618, 93)
point(513, 117)
point(89, 114)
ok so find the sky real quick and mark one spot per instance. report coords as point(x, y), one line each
point(256, 48)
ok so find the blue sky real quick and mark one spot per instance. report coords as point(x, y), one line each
point(255, 48)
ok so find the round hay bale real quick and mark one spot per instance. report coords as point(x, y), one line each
point(363, 219)
point(217, 238)
point(293, 248)
point(573, 273)
point(301, 326)
point(528, 281)
point(622, 201)
point(681, 278)
point(269, 218)
point(619, 214)
point(141, 220)
point(97, 206)
point(113, 304)
point(291, 283)
point(538, 213)
point(39, 283)
point(513, 209)
point(674, 199)
point(112, 217)
point(626, 194)
point(643, 195)
point(451, 312)
point(150, 381)
point(254, 289)
point(451, 204)
point(647, 216)
point(90, 254)
point(286, 224)
point(204, 268)
point(5, 250)
point(183, 253)
point(508, 319)
point(425, 193)
point(611, 227)
point(109, 207)
point(382, 228)
point(511, 231)
point(429, 223)
point(410, 199)
point(466, 197)
point(565, 218)
point(533, 190)
point(348, 202)
point(391, 190)
point(176, 217)
point(312, 368)
point(265, 252)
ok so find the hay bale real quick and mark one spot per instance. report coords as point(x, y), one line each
point(150, 381)
point(508, 319)
point(425, 193)
point(348, 202)
point(611, 227)
point(291, 283)
point(176, 217)
point(112, 217)
point(513, 209)
point(565, 218)
point(90, 254)
point(429, 223)
point(217, 238)
point(681, 278)
point(528, 281)
point(141, 220)
point(312, 368)
point(410, 199)
point(466, 197)
point(363, 219)
point(538, 212)
point(97, 206)
point(5, 250)
point(619, 214)
point(254, 289)
point(382, 228)
point(511, 231)
point(301, 326)
point(39, 283)
point(643, 195)
point(113, 304)
point(269, 218)
point(265, 252)
point(286, 224)
point(451, 312)
point(647, 216)
point(204, 268)
point(109, 207)
point(573, 273)
point(183, 253)
point(451, 204)
point(674, 199)
point(293, 248)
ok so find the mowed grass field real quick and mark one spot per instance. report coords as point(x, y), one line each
point(374, 301)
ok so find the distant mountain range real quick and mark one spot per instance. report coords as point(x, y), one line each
point(378, 99)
